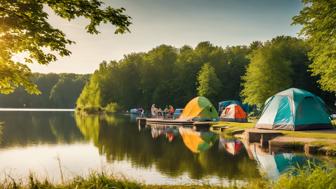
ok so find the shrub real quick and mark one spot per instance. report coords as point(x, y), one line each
point(112, 107)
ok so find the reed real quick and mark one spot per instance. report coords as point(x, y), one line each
point(310, 176)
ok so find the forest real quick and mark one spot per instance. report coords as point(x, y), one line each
point(56, 91)
point(169, 75)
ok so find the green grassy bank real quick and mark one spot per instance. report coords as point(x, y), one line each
point(324, 140)
point(234, 126)
point(308, 177)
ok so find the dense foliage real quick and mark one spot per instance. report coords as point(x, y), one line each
point(57, 91)
point(25, 29)
point(208, 83)
point(319, 22)
point(277, 65)
point(167, 75)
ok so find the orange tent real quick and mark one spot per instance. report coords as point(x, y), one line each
point(235, 113)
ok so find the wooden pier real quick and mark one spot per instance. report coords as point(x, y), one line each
point(141, 121)
point(261, 136)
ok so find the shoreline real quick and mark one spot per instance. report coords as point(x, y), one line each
point(310, 142)
point(294, 179)
point(37, 110)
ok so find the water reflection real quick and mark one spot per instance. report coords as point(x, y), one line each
point(29, 128)
point(169, 132)
point(172, 151)
point(232, 146)
point(157, 154)
point(197, 141)
point(273, 165)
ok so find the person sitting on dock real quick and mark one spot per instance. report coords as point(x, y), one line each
point(154, 111)
point(166, 112)
point(171, 111)
point(141, 112)
point(159, 112)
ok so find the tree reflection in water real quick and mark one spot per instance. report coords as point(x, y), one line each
point(173, 151)
point(30, 128)
point(165, 148)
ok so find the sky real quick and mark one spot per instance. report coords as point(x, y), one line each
point(173, 22)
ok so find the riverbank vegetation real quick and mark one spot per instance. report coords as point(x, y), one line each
point(232, 127)
point(168, 75)
point(310, 176)
point(57, 91)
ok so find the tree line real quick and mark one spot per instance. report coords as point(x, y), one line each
point(27, 30)
point(57, 91)
point(168, 75)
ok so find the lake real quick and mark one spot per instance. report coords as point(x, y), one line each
point(56, 144)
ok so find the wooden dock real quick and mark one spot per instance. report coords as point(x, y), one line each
point(160, 121)
point(261, 136)
point(171, 122)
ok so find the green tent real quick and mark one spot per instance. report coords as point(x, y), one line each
point(294, 109)
point(199, 109)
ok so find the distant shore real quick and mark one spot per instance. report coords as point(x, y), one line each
point(36, 110)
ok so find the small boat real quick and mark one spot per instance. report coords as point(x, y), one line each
point(136, 111)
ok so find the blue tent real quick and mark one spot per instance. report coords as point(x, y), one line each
point(294, 109)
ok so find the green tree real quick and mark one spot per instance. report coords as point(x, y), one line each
point(208, 83)
point(268, 73)
point(319, 22)
point(66, 91)
point(167, 75)
point(90, 97)
point(25, 29)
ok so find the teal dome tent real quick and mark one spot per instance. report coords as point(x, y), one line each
point(294, 109)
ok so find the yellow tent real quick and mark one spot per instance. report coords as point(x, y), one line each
point(199, 109)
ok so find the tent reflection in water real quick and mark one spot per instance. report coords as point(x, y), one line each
point(232, 146)
point(169, 132)
point(294, 109)
point(273, 165)
point(199, 109)
point(197, 141)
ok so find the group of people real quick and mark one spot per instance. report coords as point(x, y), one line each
point(166, 113)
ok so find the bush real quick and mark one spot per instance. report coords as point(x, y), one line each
point(311, 176)
point(92, 110)
point(112, 107)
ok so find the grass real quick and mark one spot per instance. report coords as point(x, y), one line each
point(310, 134)
point(100, 181)
point(311, 176)
point(96, 181)
point(233, 126)
point(326, 139)
point(93, 181)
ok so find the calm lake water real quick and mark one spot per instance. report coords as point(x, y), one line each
point(42, 142)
